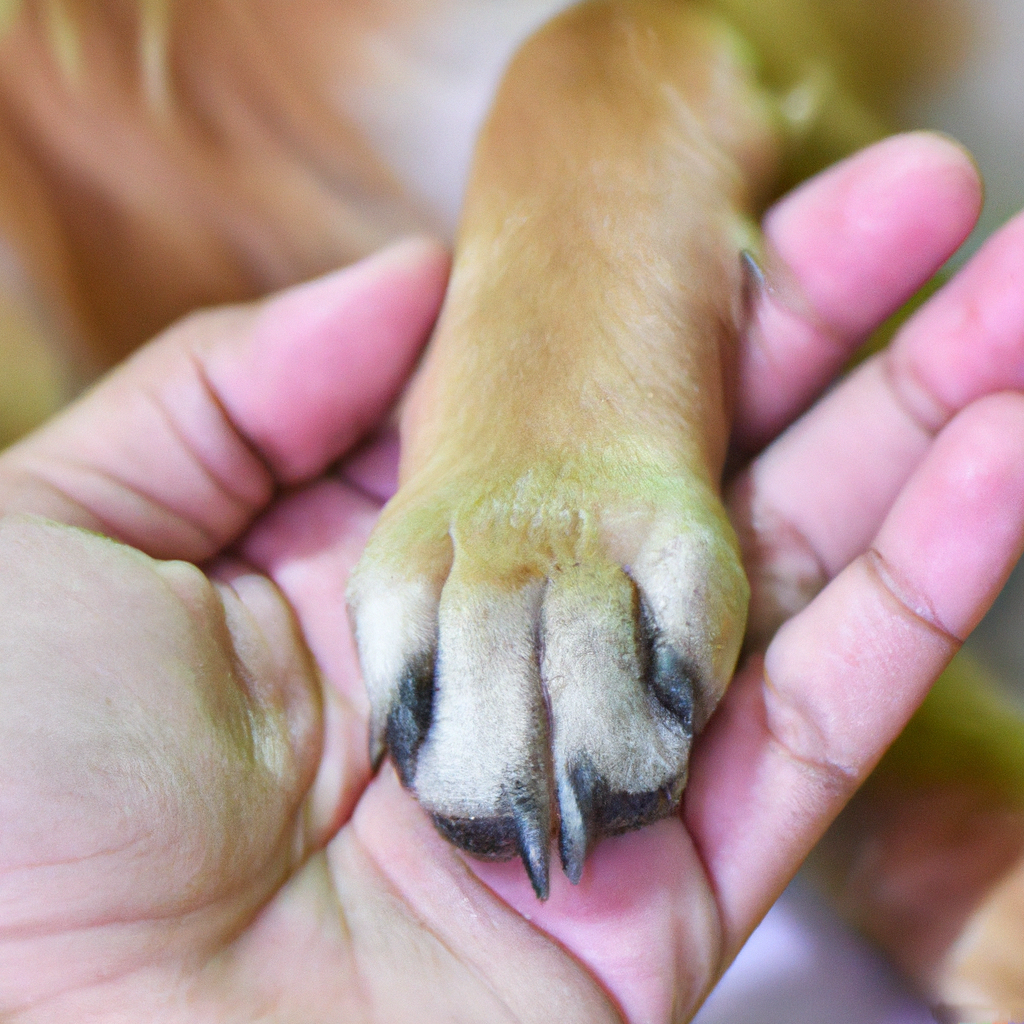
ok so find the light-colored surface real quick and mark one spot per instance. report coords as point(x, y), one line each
point(983, 107)
point(803, 967)
point(433, 80)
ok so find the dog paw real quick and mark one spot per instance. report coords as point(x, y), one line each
point(540, 650)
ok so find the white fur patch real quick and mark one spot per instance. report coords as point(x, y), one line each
point(489, 726)
point(697, 592)
point(600, 704)
point(395, 622)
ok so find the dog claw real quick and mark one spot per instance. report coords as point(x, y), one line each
point(408, 721)
point(755, 279)
point(672, 683)
point(671, 677)
point(533, 836)
point(573, 841)
point(523, 831)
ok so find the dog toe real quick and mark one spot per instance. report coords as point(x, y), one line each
point(483, 771)
point(695, 606)
point(621, 723)
point(392, 597)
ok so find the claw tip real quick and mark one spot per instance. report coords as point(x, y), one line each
point(537, 872)
point(533, 834)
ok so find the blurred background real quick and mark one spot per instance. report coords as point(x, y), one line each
point(983, 107)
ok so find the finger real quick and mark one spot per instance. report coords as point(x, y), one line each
point(813, 500)
point(648, 937)
point(158, 737)
point(846, 250)
point(841, 679)
point(178, 449)
point(307, 543)
point(319, 371)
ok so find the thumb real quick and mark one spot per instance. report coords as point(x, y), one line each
point(177, 450)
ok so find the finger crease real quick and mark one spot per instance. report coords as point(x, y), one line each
point(912, 396)
point(37, 470)
point(916, 605)
point(832, 777)
point(240, 436)
point(215, 482)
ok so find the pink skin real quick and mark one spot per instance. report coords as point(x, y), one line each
point(214, 445)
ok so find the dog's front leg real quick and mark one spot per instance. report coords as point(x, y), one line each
point(553, 603)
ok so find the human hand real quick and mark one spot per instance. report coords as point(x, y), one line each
point(222, 852)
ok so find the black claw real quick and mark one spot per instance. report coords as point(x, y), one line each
point(576, 834)
point(378, 744)
point(572, 860)
point(672, 681)
point(671, 677)
point(524, 831)
point(607, 812)
point(533, 839)
point(409, 719)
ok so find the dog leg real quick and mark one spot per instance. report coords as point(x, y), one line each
point(553, 603)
